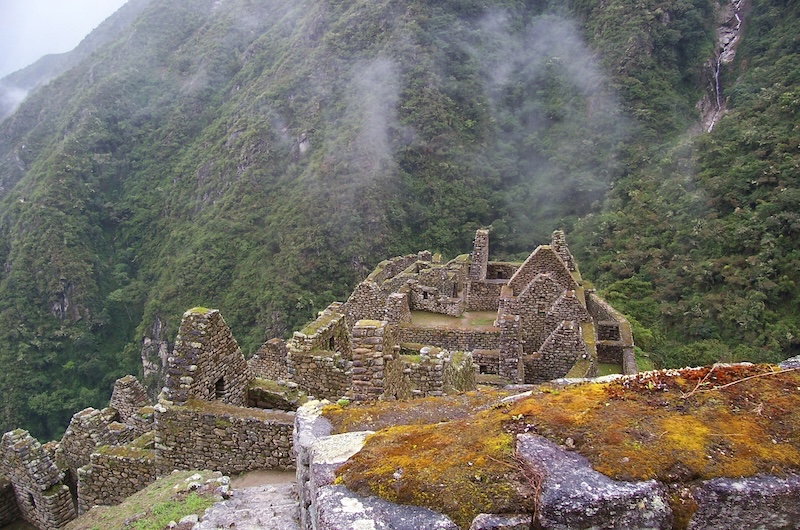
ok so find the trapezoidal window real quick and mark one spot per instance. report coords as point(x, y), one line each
point(219, 388)
point(331, 344)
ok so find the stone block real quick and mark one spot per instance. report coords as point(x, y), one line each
point(573, 495)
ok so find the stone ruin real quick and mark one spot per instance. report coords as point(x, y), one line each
point(219, 411)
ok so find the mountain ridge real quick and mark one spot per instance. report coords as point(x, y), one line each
point(260, 157)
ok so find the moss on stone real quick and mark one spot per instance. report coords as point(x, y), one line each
point(674, 426)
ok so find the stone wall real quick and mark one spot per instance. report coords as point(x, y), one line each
point(614, 335)
point(201, 435)
point(433, 300)
point(450, 339)
point(9, 512)
point(41, 496)
point(327, 333)
point(392, 267)
point(397, 309)
point(90, 428)
point(373, 347)
point(116, 473)
point(484, 295)
point(498, 270)
point(270, 361)
point(206, 362)
point(487, 361)
point(321, 374)
point(562, 349)
point(532, 305)
point(543, 260)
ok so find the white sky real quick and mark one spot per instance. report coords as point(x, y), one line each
point(30, 29)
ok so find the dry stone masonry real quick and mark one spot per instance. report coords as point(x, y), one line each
point(211, 411)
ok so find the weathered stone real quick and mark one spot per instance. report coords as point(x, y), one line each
point(762, 502)
point(573, 495)
point(487, 521)
point(337, 508)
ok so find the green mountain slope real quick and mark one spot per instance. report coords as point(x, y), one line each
point(261, 156)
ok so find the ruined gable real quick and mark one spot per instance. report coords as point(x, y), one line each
point(206, 363)
point(543, 260)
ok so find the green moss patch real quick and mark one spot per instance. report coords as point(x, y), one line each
point(381, 414)
point(674, 426)
point(223, 409)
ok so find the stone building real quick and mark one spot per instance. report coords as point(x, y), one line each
point(219, 411)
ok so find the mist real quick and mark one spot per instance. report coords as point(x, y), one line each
point(34, 28)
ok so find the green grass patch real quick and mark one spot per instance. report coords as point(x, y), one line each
point(168, 499)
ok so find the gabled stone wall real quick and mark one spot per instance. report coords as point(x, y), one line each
point(543, 260)
point(270, 361)
point(532, 306)
point(398, 309)
point(562, 349)
point(128, 398)
point(367, 301)
point(206, 363)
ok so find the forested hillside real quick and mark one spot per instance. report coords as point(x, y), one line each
point(261, 156)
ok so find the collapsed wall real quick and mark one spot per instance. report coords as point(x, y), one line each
point(42, 498)
point(114, 473)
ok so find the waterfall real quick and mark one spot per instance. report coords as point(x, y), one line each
point(728, 33)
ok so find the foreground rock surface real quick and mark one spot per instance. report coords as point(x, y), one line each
point(338, 508)
point(573, 495)
point(763, 502)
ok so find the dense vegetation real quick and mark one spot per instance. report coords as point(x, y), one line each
point(261, 156)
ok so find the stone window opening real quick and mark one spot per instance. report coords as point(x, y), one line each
point(31, 500)
point(219, 388)
point(424, 295)
point(332, 344)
